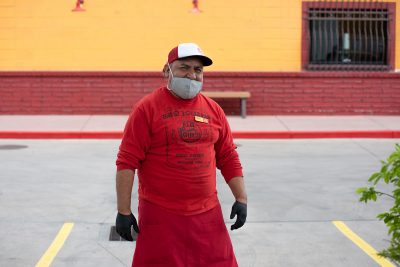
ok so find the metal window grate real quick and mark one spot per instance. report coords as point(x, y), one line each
point(348, 35)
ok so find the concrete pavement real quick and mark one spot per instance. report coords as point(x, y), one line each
point(111, 126)
point(296, 189)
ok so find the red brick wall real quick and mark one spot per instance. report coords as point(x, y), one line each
point(305, 93)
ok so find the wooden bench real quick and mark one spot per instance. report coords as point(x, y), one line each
point(242, 95)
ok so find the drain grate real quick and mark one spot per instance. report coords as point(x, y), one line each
point(12, 147)
point(114, 236)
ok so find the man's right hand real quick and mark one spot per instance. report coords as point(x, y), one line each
point(123, 226)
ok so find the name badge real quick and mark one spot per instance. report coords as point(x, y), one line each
point(200, 119)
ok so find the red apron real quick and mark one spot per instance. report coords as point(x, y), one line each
point(171, 240)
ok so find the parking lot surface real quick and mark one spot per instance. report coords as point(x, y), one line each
point(296, 189)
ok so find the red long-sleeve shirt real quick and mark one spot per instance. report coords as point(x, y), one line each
point(176, 146)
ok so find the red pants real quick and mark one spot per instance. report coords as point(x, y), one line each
point(171, 240)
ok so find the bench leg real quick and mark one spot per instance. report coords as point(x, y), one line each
point(243, 107)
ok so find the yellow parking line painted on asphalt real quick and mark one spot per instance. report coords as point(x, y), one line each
point(57, 244)
point(362, 244)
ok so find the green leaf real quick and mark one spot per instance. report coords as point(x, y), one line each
point(361, 190)
point(375, 177)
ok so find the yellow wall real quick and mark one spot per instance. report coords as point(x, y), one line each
point(131, 35)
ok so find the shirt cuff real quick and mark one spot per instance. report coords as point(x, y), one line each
point(122, 166)
point(228, 175)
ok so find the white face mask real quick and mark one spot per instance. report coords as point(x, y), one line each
point(183, 87)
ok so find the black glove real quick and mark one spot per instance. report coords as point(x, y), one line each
point(239, 209)
point(123, 225)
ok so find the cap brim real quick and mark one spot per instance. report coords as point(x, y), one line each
point(205, 60)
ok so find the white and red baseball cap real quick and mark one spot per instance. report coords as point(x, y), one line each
point(188, 50)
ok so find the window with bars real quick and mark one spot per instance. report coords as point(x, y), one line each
point(353, 35)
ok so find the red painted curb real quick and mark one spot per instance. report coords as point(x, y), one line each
point(245, 135)
point(318, 134)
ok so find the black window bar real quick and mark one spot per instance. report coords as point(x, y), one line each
point(351, 35)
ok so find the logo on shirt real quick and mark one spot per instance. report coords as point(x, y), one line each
point(190, 132)
point(190, 139)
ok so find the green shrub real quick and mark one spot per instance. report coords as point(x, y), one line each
point(389, 174)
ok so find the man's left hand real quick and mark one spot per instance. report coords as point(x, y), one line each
point(123, 226)
point(240, 210)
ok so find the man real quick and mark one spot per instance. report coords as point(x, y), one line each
point(176, 138)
